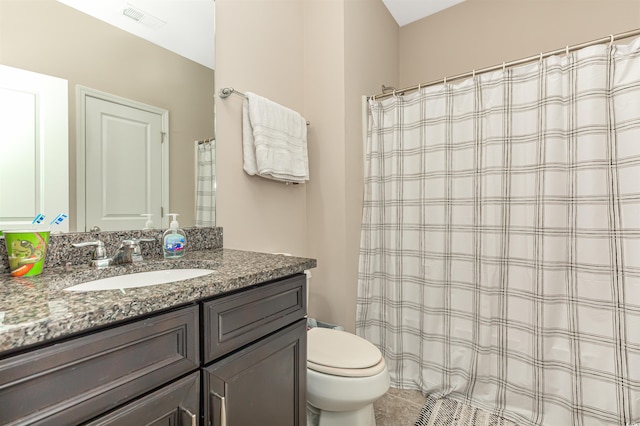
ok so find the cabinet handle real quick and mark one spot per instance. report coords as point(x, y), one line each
point(194, 419)
point(223, 409)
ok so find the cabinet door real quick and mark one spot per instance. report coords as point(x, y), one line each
point(264, 384)
point(176, 404)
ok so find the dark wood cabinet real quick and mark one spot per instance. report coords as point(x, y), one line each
point(260, 385)
point(236, 360)
point(176, 404)
point(76, 380)
point(236, 320)
point(255, 352)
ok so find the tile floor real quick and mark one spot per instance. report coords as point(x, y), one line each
point(398, 407)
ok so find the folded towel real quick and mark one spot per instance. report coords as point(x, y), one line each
point(274, 140)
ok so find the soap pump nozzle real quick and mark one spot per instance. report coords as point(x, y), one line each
point(174, 222)
point(149, 223)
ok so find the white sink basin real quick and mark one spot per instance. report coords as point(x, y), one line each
point(140, 279)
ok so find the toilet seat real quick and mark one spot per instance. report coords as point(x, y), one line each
point(339, 353)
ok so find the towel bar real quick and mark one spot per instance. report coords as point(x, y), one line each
point(225, 92)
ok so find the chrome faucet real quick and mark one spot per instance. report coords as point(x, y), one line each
point(129, 251)
point(99, 258)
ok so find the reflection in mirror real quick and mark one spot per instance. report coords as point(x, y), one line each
point(51, 38)
point(34, 142)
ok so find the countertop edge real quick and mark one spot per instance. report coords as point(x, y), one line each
point(60, 314)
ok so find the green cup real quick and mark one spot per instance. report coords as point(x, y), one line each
point(27, 251)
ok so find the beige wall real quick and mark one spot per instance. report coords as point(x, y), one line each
point(325, 105)
point(483, 33)
point(371, 40)
point(48, 37)
point(260, 49)
point(317, 57)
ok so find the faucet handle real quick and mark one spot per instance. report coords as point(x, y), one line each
point(138, 240)
point(134, 245)
point(99, 256)
point(129, 243)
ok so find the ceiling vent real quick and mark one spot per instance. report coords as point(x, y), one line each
point(142, 17)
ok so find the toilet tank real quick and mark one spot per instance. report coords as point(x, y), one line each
point(308, 274)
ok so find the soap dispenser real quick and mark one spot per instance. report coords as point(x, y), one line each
point(149, 223)
point(174, 239)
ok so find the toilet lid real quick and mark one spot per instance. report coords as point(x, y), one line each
point(340, 350)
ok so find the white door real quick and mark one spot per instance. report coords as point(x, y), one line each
point(124, 167)
point(34, 144)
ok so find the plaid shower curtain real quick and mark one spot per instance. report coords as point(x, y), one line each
point(206, 184)
point(500, 247)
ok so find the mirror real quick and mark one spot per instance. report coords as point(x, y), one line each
point(49, 37)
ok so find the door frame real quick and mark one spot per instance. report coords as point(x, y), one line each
point(82, 93)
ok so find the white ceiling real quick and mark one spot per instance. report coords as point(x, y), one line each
point(187, 27)
point(408, 11)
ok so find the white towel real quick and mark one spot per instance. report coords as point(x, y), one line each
point(274, 140)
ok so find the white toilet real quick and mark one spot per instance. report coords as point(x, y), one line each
point(345, 375)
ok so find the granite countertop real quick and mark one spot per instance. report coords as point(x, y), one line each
point(37, 309)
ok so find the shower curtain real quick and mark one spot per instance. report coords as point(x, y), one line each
point(500, 246)
point(206, 185)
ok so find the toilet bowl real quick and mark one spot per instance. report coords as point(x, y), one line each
point(345, 375)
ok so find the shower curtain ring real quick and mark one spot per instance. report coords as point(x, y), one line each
point(611, 42)
point(567, 50)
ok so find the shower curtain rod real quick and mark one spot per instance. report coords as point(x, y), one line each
point(206, 141)
point(610, 39)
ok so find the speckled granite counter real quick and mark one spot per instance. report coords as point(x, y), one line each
point(38, 309)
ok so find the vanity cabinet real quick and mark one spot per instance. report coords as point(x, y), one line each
point(255, 355)
point(78, 379)
point(235, 360)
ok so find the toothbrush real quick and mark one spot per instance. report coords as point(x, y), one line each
point(59, 219)
point(37, 220)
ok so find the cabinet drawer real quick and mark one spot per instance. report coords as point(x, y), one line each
point(78, 379)
point(236, 320)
